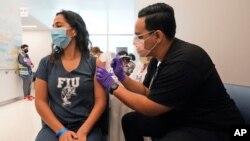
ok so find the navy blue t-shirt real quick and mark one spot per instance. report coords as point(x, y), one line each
point(187, 81)
point(71, 94)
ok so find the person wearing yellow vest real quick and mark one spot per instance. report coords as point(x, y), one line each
point(25, 71)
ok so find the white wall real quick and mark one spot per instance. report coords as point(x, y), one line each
point(39, 45)
point(221, 28)
point(11, 85)
point(39, 41)
point(10, 38)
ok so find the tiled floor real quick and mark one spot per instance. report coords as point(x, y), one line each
point(19, 121)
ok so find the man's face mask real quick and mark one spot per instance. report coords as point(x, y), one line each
point(139, 43)
point(144, 60)
point(25, 50)
point(60, 38)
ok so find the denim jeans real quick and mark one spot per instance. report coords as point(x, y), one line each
point(46, 134)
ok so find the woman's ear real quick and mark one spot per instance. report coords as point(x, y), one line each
point(74, 33)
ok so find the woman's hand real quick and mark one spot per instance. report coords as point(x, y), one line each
point(68, 136)
point(81, 137)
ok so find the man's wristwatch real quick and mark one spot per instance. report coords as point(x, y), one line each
point(113, 87)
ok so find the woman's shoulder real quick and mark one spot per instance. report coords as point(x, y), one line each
point(45, 59)
point(90, 59)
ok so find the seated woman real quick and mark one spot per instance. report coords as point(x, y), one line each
point(69, 99)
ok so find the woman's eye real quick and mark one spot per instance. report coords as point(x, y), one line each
point(57, 25)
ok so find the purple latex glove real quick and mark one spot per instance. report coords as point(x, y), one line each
point(104, 77)
point(117, 65)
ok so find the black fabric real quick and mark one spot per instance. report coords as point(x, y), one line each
point(136, 125)
point(188, 82)
point(193, 134)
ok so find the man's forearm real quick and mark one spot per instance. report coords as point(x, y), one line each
point(134, 86)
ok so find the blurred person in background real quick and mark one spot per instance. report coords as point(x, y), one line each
point(25, 71)
point(104, 58)
point(141, 69)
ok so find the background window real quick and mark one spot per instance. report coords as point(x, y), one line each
point(110, 25)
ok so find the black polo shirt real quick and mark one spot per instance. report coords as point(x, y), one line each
point(188, 82)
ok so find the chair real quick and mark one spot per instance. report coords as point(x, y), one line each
point(241, 96)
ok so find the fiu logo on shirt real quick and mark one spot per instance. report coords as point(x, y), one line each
point(70, 85)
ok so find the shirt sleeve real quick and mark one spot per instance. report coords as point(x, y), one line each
point(21, 60)
point(43, 69)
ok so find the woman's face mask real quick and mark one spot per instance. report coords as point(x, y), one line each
point(60, 38)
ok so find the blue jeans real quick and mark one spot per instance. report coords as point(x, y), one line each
point(46, 134)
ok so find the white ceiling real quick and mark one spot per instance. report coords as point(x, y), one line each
point(42, 12)
point(29, 21)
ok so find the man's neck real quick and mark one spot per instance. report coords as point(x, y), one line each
point(163, 49)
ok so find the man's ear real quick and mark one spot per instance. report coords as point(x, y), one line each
point(159, 35)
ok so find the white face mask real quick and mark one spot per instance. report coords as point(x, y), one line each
point(140, 47)
point(144, 60)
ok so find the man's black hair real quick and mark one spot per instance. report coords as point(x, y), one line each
point(159, 16)
point(24, 45)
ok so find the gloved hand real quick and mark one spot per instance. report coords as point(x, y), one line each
point(117, 65)
point(105, 78)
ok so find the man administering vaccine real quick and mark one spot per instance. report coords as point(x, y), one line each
point(182, 97)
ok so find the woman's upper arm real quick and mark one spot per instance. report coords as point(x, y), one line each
point(41, 90)
point(99, 63)
point(98, 88)
point(41, 84)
